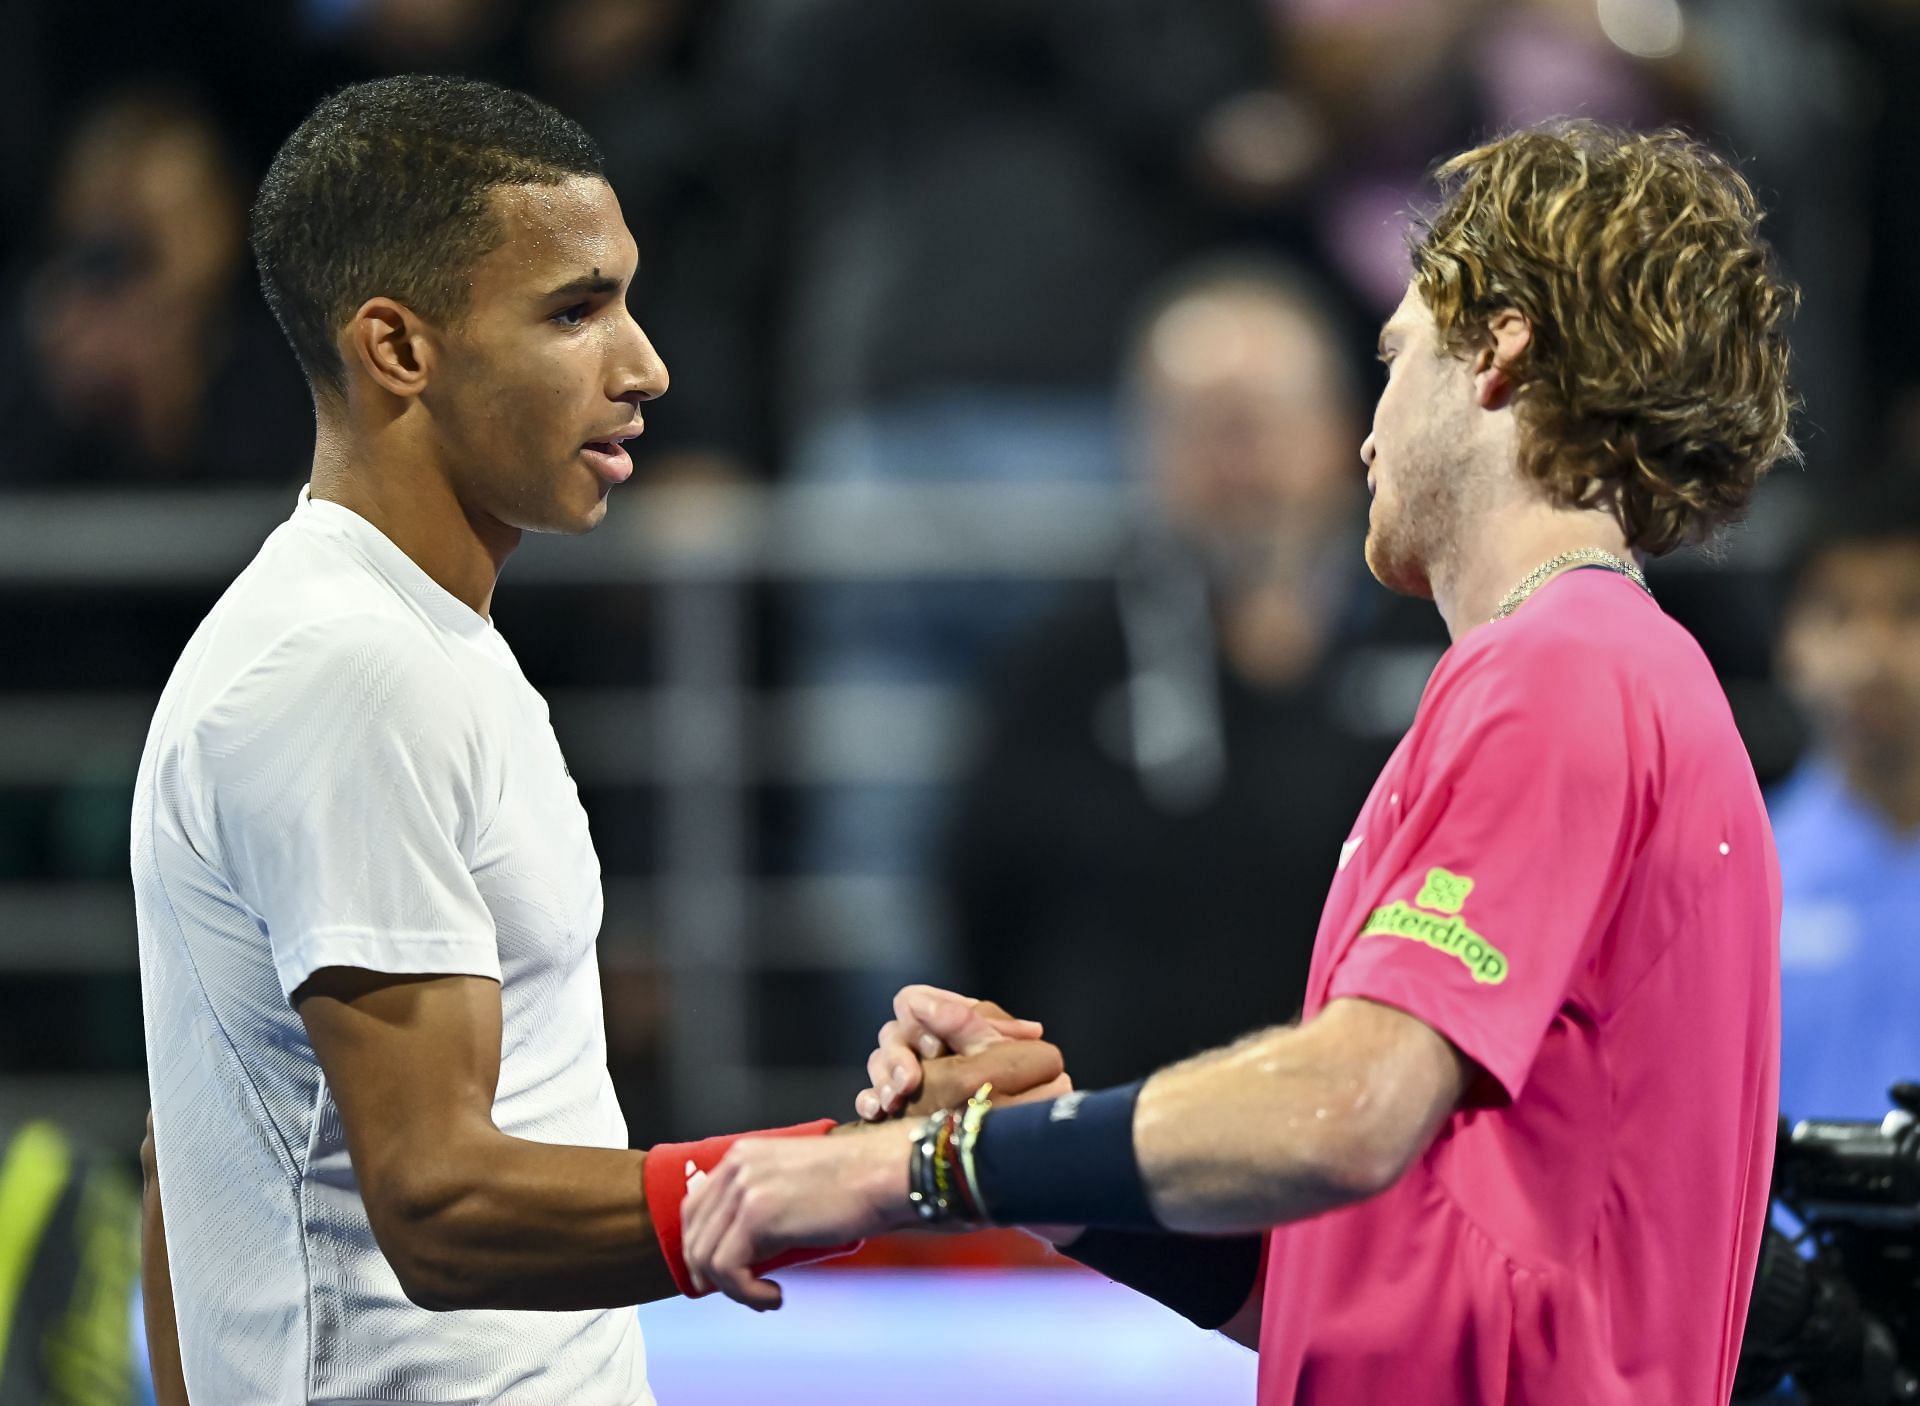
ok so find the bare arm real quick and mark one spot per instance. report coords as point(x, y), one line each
point(1297, 1120)
point(156, 1284)
point(1282, 1126)
point(468, 1216)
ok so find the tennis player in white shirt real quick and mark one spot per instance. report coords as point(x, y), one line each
point(394, 1169)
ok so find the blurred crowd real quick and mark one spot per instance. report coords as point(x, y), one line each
point(1133, 244)
point(868, 226)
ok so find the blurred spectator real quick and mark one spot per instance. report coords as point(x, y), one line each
point(1847, 822)
point(69, 1233)
point(1172, 764)
point(140, 350)
point(975, 193)
point(1397, 82)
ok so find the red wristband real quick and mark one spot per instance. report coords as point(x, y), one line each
point(670, 1172)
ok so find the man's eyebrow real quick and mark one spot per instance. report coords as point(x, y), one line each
point(587, 284)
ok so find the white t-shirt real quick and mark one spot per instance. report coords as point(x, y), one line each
point(348, 768)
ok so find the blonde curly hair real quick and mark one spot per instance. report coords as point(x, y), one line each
point(1656, 384)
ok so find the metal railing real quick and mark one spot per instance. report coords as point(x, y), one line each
point(702, 738)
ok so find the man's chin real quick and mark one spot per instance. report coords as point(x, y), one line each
point(567, 520)
point(595, 515)
point(1399, 571)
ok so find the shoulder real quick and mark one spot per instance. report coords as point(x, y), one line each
point(339, 715)
point(311, 609)
point(1578, 686)
point(336, 675)
point(1589, 640)
point(1503, 671)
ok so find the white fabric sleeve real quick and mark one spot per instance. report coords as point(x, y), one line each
point(344, 774)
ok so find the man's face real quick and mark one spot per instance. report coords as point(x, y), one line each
point(148, 233)
point(1420, 457)
point(1850, 650)
point(545, 375)
point(1248, 425)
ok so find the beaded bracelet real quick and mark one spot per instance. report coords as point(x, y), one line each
point(923, 1185)
point(940, 1182)
point(969, 1133)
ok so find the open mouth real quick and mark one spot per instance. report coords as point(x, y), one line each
point(610, 459)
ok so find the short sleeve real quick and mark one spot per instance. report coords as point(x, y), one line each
point(1517, 832)
point(342, 774)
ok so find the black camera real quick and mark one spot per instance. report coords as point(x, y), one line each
point(1837, 1308)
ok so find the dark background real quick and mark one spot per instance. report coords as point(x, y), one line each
point(850, 212)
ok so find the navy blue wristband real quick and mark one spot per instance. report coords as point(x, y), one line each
point(1066, 1162)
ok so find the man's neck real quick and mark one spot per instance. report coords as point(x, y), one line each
point(414, 507)
point(1503, 545)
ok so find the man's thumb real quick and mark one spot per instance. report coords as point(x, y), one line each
point(1012, 1026)
point(959, 1025)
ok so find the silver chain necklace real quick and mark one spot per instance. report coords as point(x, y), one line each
point(1585, 556)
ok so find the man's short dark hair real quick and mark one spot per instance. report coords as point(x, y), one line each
point(382, 191)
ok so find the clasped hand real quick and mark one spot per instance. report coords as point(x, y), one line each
point(774, 1194)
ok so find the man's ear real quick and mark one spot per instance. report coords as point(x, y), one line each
point(1509, 338)
point(390, 344)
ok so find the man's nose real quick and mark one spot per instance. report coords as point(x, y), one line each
point(643, 375)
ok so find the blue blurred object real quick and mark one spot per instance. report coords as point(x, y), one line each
point(322, 19)
point(1848, 962)
point(142, 1359)
point(1016, 1337)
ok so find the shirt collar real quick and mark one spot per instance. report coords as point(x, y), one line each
point(344, 524)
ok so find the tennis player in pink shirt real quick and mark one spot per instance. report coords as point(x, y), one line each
point(1517, 1148)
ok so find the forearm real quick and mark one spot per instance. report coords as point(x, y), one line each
point(1282, 1126)
point(1250, 1138)
point(516, 1224)
point(1294, 1122)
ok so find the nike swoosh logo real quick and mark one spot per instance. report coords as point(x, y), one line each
point(1347, 848)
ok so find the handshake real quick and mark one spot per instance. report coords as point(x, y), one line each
point(941, 1046)
point(771, 1195)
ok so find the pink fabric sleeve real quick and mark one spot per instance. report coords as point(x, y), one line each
point(1519, 818)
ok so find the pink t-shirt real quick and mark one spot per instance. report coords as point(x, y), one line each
point(1566, 870)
